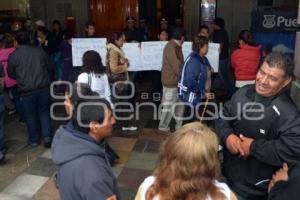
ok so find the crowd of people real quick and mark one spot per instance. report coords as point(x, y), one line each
point(258, 128)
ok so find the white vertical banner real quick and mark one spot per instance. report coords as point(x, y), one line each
point(152, 54)
point(298, 18)
point(133, 54)
point(81, 45)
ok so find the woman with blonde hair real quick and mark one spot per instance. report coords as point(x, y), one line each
point(188, 168)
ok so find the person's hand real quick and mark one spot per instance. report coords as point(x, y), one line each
point(246, 143)
point(209, 95)
point(280, 175)
point(233, 144)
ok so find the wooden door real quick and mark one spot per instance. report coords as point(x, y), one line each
point(110, 15)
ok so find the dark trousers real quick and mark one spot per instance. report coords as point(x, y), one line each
point(14, 92)
point(2, 133)
point(225, 74)
point(36, 112)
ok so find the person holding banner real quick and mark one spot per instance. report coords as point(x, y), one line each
point(170, 72)
point(117, 67)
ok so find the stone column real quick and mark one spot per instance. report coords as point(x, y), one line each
point(191, 17)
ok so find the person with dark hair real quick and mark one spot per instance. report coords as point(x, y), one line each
point(29, 66)
point(204, 31)
point(90, 29)
point(164, 26)
point(188, 168)
point(66, 51)
point(220, 36)
point(2, 115)
point(57, 32)
point(130, 31)
point(93, 74)
point(245, 60)
point(45, 41)
point(117, 66)
point(170, 72)
point(143, 31)
point(192, 84)
point(78, 150)
point(259, 129)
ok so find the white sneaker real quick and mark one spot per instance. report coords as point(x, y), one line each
point(129, 128)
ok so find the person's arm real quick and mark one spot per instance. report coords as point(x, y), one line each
point(11, 70)
point(83, 78)
point(114, 65)
point(284, 149)
point(192, 74)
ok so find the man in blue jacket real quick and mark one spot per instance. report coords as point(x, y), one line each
point(259, 129)
point(78, 151)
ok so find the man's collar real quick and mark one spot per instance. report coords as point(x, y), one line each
point(177, 42)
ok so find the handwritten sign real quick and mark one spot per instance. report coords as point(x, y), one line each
point(133, 54)
point(81, 45)
point(152, 53)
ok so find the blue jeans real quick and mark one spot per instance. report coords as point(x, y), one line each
point(2, 133)
point(36, 112)
point(14, 92)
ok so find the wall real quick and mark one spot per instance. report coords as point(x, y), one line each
point(60, 9)
point(237, 15)
point(191, 16)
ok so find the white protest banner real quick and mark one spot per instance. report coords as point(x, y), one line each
point(152, 53)
point(186, 49)
point(81, 45)
point(213, 55)
point(133, 54)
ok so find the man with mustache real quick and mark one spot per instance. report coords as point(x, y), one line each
point(259, 129)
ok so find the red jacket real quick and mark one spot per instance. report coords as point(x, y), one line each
point(245, 61)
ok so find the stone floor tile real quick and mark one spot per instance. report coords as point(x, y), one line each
point(124, 156)
point(25, 186)
point(152, 134)
point(132, 178)
point(147, 146)
point(47, 192)
point(41, 167)
point(47, 154)
point(145, 161)
point(121, 143)
point(11, 197)
point(127, 193)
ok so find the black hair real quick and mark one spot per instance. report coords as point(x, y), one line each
point(115, 36)
point(203, 27)
point(68, 34)
point(178, 33)
point(42, 30)
point(56, 22)
point(7, 40)
point(220, 22)
point(199, 42)
point(92, 62)
point(22, 37)
point(87, 111)
point(281, 61)
point(247, 37)
point(89, 23)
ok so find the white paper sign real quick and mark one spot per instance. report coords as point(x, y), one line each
point(152, 53)
point(212, 54)
point(186, 49)
point(81, 45)
point(133, 54)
